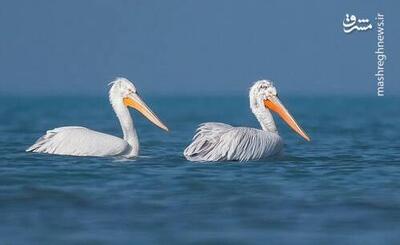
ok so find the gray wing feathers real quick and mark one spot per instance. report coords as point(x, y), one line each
point(218, 141)
point(79, 141)
point(204, 141)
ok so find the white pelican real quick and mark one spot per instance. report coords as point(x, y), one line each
point(80, 141)
point(219, 141)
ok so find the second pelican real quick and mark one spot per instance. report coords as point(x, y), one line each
point(219, 141)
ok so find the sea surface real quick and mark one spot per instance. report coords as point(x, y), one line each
point(343, 187)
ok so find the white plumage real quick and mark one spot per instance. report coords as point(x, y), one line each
point(80, 141)
point(220, 142)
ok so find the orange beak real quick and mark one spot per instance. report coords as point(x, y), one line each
point(274, 104)
point(136, 102)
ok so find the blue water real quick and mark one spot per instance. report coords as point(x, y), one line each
point(341, 188)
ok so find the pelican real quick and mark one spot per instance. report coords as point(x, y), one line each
point(222, 142)
point(80, 141)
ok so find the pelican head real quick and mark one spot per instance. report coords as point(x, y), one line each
point(123, 91)
point(263, 93)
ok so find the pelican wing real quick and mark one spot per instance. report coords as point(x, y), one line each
point(79, 141)
point(219, 141)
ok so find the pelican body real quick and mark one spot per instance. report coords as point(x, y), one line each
point(81, 141)
point(222, 142)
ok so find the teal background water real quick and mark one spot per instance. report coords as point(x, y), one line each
point(341, 188)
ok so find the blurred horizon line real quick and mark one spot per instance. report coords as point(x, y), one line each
point(194, 95)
